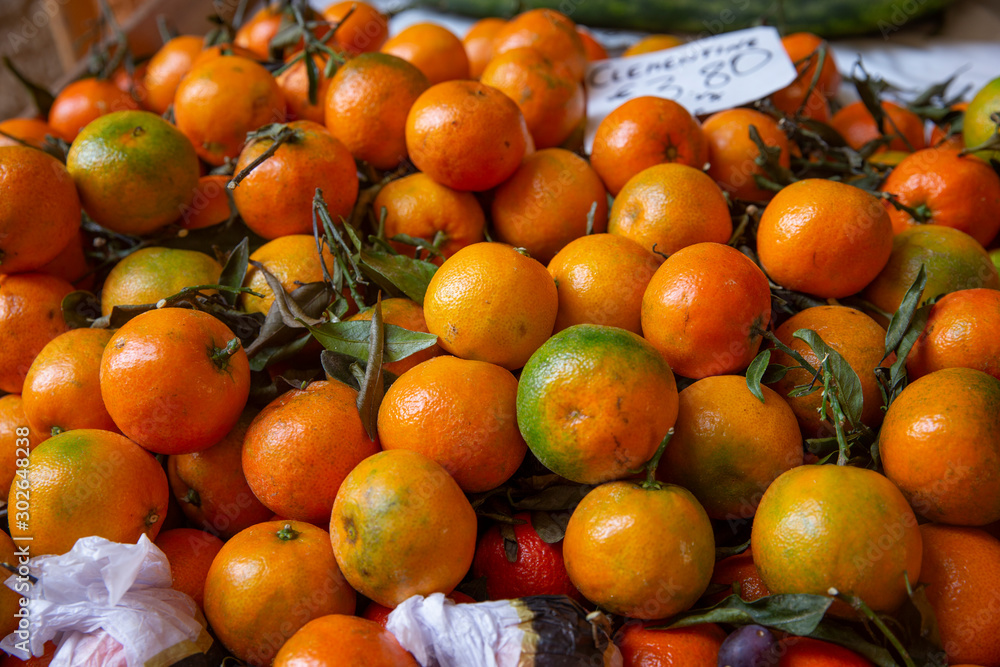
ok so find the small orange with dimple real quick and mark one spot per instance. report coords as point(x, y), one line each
point(478, 43)
point(221, 100)
point(961, 330)
point(548, 202)
point(175, 380)
point(671, 206)
point(825, 238)
point(166, 69)
point(459, 413)
point(364, 31)
point(431, 48)
point(601, 279)
point(420, 207)
point(490, 302)
point(549, 31)
point(643, 132)
point(466, 135)
point(339, 639)
point(367, 103)
point(732, 153)
point(691, 314)
point(82, 101)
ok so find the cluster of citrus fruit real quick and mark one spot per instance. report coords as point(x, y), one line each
point(738, 373)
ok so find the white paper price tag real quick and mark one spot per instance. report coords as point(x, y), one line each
point(707, 75)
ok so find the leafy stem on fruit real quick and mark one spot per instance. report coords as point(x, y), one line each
point(222, 355)
point(650, 467)
point(279, 134)
point(343, 254)
point(920, 213)
point(859, 605)
point(287, 533)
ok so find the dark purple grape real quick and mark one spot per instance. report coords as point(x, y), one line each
point(750, 646)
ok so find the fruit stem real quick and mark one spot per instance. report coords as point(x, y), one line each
point(221, 355)
point(650, 482)
point(283, 135)
point(858, 604)
point(287, 533)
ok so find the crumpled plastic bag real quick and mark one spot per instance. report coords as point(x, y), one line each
point(108, 604)
point(536, 631)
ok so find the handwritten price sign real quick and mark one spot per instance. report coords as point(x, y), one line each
point(708, 75)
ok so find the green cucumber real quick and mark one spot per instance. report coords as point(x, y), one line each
point(828, 18)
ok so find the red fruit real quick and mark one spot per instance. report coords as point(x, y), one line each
point(538, 570)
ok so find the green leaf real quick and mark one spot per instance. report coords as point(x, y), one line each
point(398, 273)
point(372, 385)
point(848, 383)
point(903, 316)
point(311, 298)
point(755, 371)
point(897, 372)
point(338, 367)
point(353, 338)
point(291, 314)
point(798, 614)
point(235, 270)
point(80, 309)
point(846, 636)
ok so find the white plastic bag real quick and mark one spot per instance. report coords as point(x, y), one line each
point(108, 604)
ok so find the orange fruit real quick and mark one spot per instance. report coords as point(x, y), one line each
point(401, 526)
point(40, 209)
point(977, 125)
point(267, 582)
point(600, 279)
point(960, 574)
point(691, 314)
point(89, 482)
point(299, 449)
point(134, 171)
point(15, 433)
point(669, 206)
point(190, 553)
point(546, 91)
point(153, 273)
point(693, 646)
point(643, 132)
point(653, 43)
point(32, 131)
point(857, 338)
point(222, 99)
point(85, 100)
point(367, 103)
point(952, 259)
point(806, 652)
point(166, 69)
point(293, 260)
point(940, 444)
point(857, 126)
point(538, 568)
point(594, 49)
point(548, 31)
point(224, 49)
point(459, 413)
point(728, 446)
point(30, 316)
point(409, 315)
point(594, 402)
point(546, 203)
point(739, 569)
point(72, 263)
point(478, 43)
point(210, 487)
point(294, 84)
point(961, 331)
point(825, 238)
point(942, 136)
point(645, 553)
point(823, 526)
point(466, 135)
point(491, 303)
point(420, 207)
point(793, 100)
point(256, 33)
point(62, 389)
point(431, 48)
point(276, 199)
point(950, 189)
point(338, 639)
point(175, 380)
point(803, 48)
point(210, 204)
point(732, 154)
point(364, 31)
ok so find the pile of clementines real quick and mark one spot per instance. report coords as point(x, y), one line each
point(339, 319)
